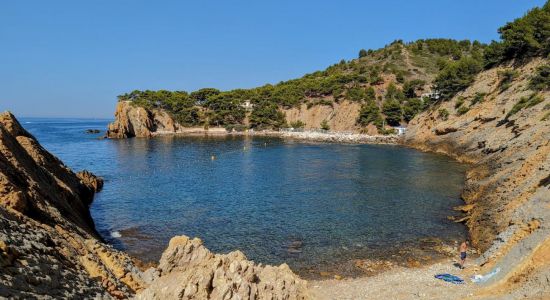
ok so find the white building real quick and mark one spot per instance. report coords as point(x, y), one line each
point(400, 130)
point(432, 95)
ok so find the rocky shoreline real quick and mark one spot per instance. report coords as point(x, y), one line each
point(507, 190)
point(49, 247)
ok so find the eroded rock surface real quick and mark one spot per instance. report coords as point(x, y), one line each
point(49, 247)
point(187, 270)
point(505, 189)
point(136, 121)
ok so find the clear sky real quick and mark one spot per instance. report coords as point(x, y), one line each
point(72, 58)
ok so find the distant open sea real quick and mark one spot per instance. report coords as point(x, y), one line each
point(315, 206)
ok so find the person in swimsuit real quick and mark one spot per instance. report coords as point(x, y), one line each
point(463, 248)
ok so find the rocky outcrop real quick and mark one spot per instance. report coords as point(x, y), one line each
point(90, 180)
point(130, 121)
point(136, 121)
point(48, 244)
point(187, 270)
point(506, 186)
point(49, 247)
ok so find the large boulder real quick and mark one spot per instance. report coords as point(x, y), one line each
point(130, 121)
point(187, 270)
point(136, 121)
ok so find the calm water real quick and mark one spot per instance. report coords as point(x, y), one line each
point(315, 206)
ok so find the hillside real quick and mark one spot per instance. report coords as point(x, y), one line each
point(379, 88)
point(493, 112)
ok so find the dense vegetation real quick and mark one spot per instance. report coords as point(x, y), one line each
point(387, 82)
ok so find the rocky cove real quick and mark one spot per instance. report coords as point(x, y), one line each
point(50, 246)
point(507, 192)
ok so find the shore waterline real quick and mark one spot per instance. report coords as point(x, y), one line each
point(317, 207)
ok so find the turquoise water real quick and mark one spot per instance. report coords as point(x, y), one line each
point(315, 206)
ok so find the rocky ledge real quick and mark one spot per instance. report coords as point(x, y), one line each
point(49, 247)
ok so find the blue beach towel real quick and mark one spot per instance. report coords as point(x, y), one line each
point(450, 278)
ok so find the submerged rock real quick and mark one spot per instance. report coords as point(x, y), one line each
point(92, 131)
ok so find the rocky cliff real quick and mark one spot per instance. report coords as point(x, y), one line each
point(507, 189)
point(49, 247)
point(136, 121)
point(131, 121)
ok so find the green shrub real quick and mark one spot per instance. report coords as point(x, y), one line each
point(370, 94)
point(506, 77)
point(356, 94)
point(462, 110)
point(369, 113)
point(459, 102)
point(363, 53)
point(478, 98)
point(394, 93)
point(443, 114)
point(528, 35)
point(524, 102)
point(266, 115)
point(541, 80)
point(411, 108)
point(388, 131)
point(456, 76)
point(410, 87)
point(324, 125)
point(297, 124)
point(392, 110)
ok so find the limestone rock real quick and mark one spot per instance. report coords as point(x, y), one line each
point(136, 121)
point(190, 271)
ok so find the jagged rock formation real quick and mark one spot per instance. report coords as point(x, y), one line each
point(507, 188)
point(48, 244)
point(136, 121)
point(187, 270)
point(130, 121)
point(49, 247)
point(90, 180)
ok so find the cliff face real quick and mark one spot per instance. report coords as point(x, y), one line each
point(130, 121)
point(340, 116)
point(507, 189)
point(48, 243)
point(49, 246)
point(135, 121)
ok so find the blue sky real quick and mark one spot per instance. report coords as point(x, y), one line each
point(72, 58)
